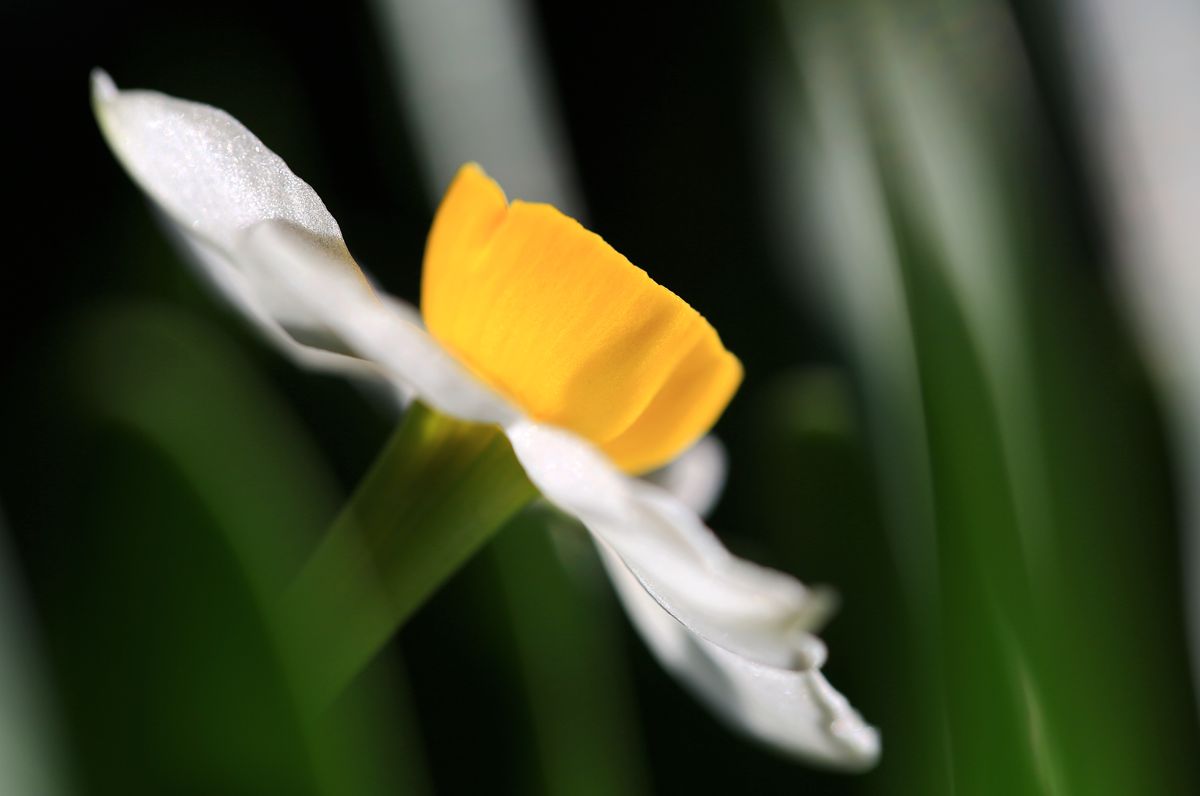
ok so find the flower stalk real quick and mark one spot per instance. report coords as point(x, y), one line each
point(440, 489)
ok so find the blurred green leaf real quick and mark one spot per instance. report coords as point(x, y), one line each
point(568, 652)
point(207, 501)
point(31, 757)
point(946, 248)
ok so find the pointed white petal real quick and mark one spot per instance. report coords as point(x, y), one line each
point(738, 634)
point(210, 174)
point(753, 611)
point(263, 237)
point(371, 326)
point(797, 712)
point(213, 179)
point(255, 301)
point(697, 476)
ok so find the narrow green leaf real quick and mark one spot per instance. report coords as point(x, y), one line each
point(210, 494)
point(567, 642)
point(31, 757)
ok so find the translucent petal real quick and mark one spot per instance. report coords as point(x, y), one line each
point(210, 174)
point(796, 711)
point(753, 611)
point(697, 476)
point(373, 327)
point(212, 180)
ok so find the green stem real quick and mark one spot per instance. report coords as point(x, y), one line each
point(439, 490)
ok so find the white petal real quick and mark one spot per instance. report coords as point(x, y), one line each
point(697, 476)
point(738, 634)
point(203, 167)
point(263, 237)
point(377, 328)
point(797, 712)
point(255, 300)
point(213, 179)
point(756, 612)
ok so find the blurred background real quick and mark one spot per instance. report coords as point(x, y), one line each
point(952, 242)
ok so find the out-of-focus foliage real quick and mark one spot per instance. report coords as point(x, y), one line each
point(201, 499)
point(1004, 404)
point(30, 753)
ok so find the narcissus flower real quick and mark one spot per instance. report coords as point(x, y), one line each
point(528, 321)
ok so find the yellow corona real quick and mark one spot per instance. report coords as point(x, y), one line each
point(554, 318)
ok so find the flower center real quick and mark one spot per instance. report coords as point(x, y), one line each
point(554, 318)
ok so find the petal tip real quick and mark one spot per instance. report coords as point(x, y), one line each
point(472, 167)
point(857, 743)
point(472, 172)
point(861, 742)
point(810, 652)
point(103, 87)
